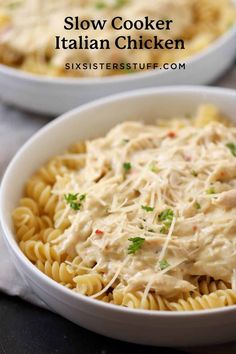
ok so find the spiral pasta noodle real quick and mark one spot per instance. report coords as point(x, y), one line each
point(229, 296)
point(88, 284)
point(208, 285)
point(204, 302)
point(60, 217)
point(49, 235)
point(57, 271)
point(41, 193)
point(151, 302)
point(49, 173)
point(105, 298)
point(37, 250)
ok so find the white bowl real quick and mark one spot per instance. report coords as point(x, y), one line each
point(57, 95)
point(92, 120)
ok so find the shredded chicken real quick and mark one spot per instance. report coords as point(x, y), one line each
point(227, 199)
point(139, 184)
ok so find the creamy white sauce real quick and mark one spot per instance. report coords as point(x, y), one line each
point(201, 238)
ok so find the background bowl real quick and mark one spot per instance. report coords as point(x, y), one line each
point(92, 120)
point(54, 96)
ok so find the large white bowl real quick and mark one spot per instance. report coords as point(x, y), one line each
point(89, 121)
point(57, 95)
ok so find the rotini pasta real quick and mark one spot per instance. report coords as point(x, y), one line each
point(37, 250)
point(147, 219)
point(88, 284)
point(105, 298)
point(49, 173)
point(57, 271)
point(228, 295)
point(151, 302)
point(41, 193)
point(199, 303)
point(50, 235)
point(208, 285)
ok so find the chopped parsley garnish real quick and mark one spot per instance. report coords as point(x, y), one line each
point(147, 208)
point(197, 205)
point(13, 5)
point(194, 173)
point(127, 166)
point(153, 167)
point(166, 226)
point(75, 205)
point(151, 230)
point(124, 141)
point(100, 5)
point(82, 197)
point(117, 5)
point(120, 3)
point(210, 190)
point(136, 244)
point(167, 217)
point(232, 148)
point(163, 230)
point(167, 214)
point(71, 199)
point(164, 264)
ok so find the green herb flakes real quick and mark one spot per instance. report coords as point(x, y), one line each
point(75, 205)
point(120, 3)
point(167, 214)
point(232, 148)
point(153, 167)
point(194, 173)
point(147, 208)
point(197, 205)
point(164, 264)
point(124, 141)
point(71, 199)
point(82, 197)
point(210, 190)
point(166, 217)
point(136, 244)
point(127, 166)
point(164, 230)
point(100, 5)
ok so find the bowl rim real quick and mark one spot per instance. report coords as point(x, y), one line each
point(116, 79)
point(34, 273)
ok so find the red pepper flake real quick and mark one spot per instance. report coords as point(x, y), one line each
point(171, 134)
point(195, 228)
point(222, 174)
point(99, 232)
point(188, 158)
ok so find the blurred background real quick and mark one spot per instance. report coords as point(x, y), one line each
point(29, 73)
